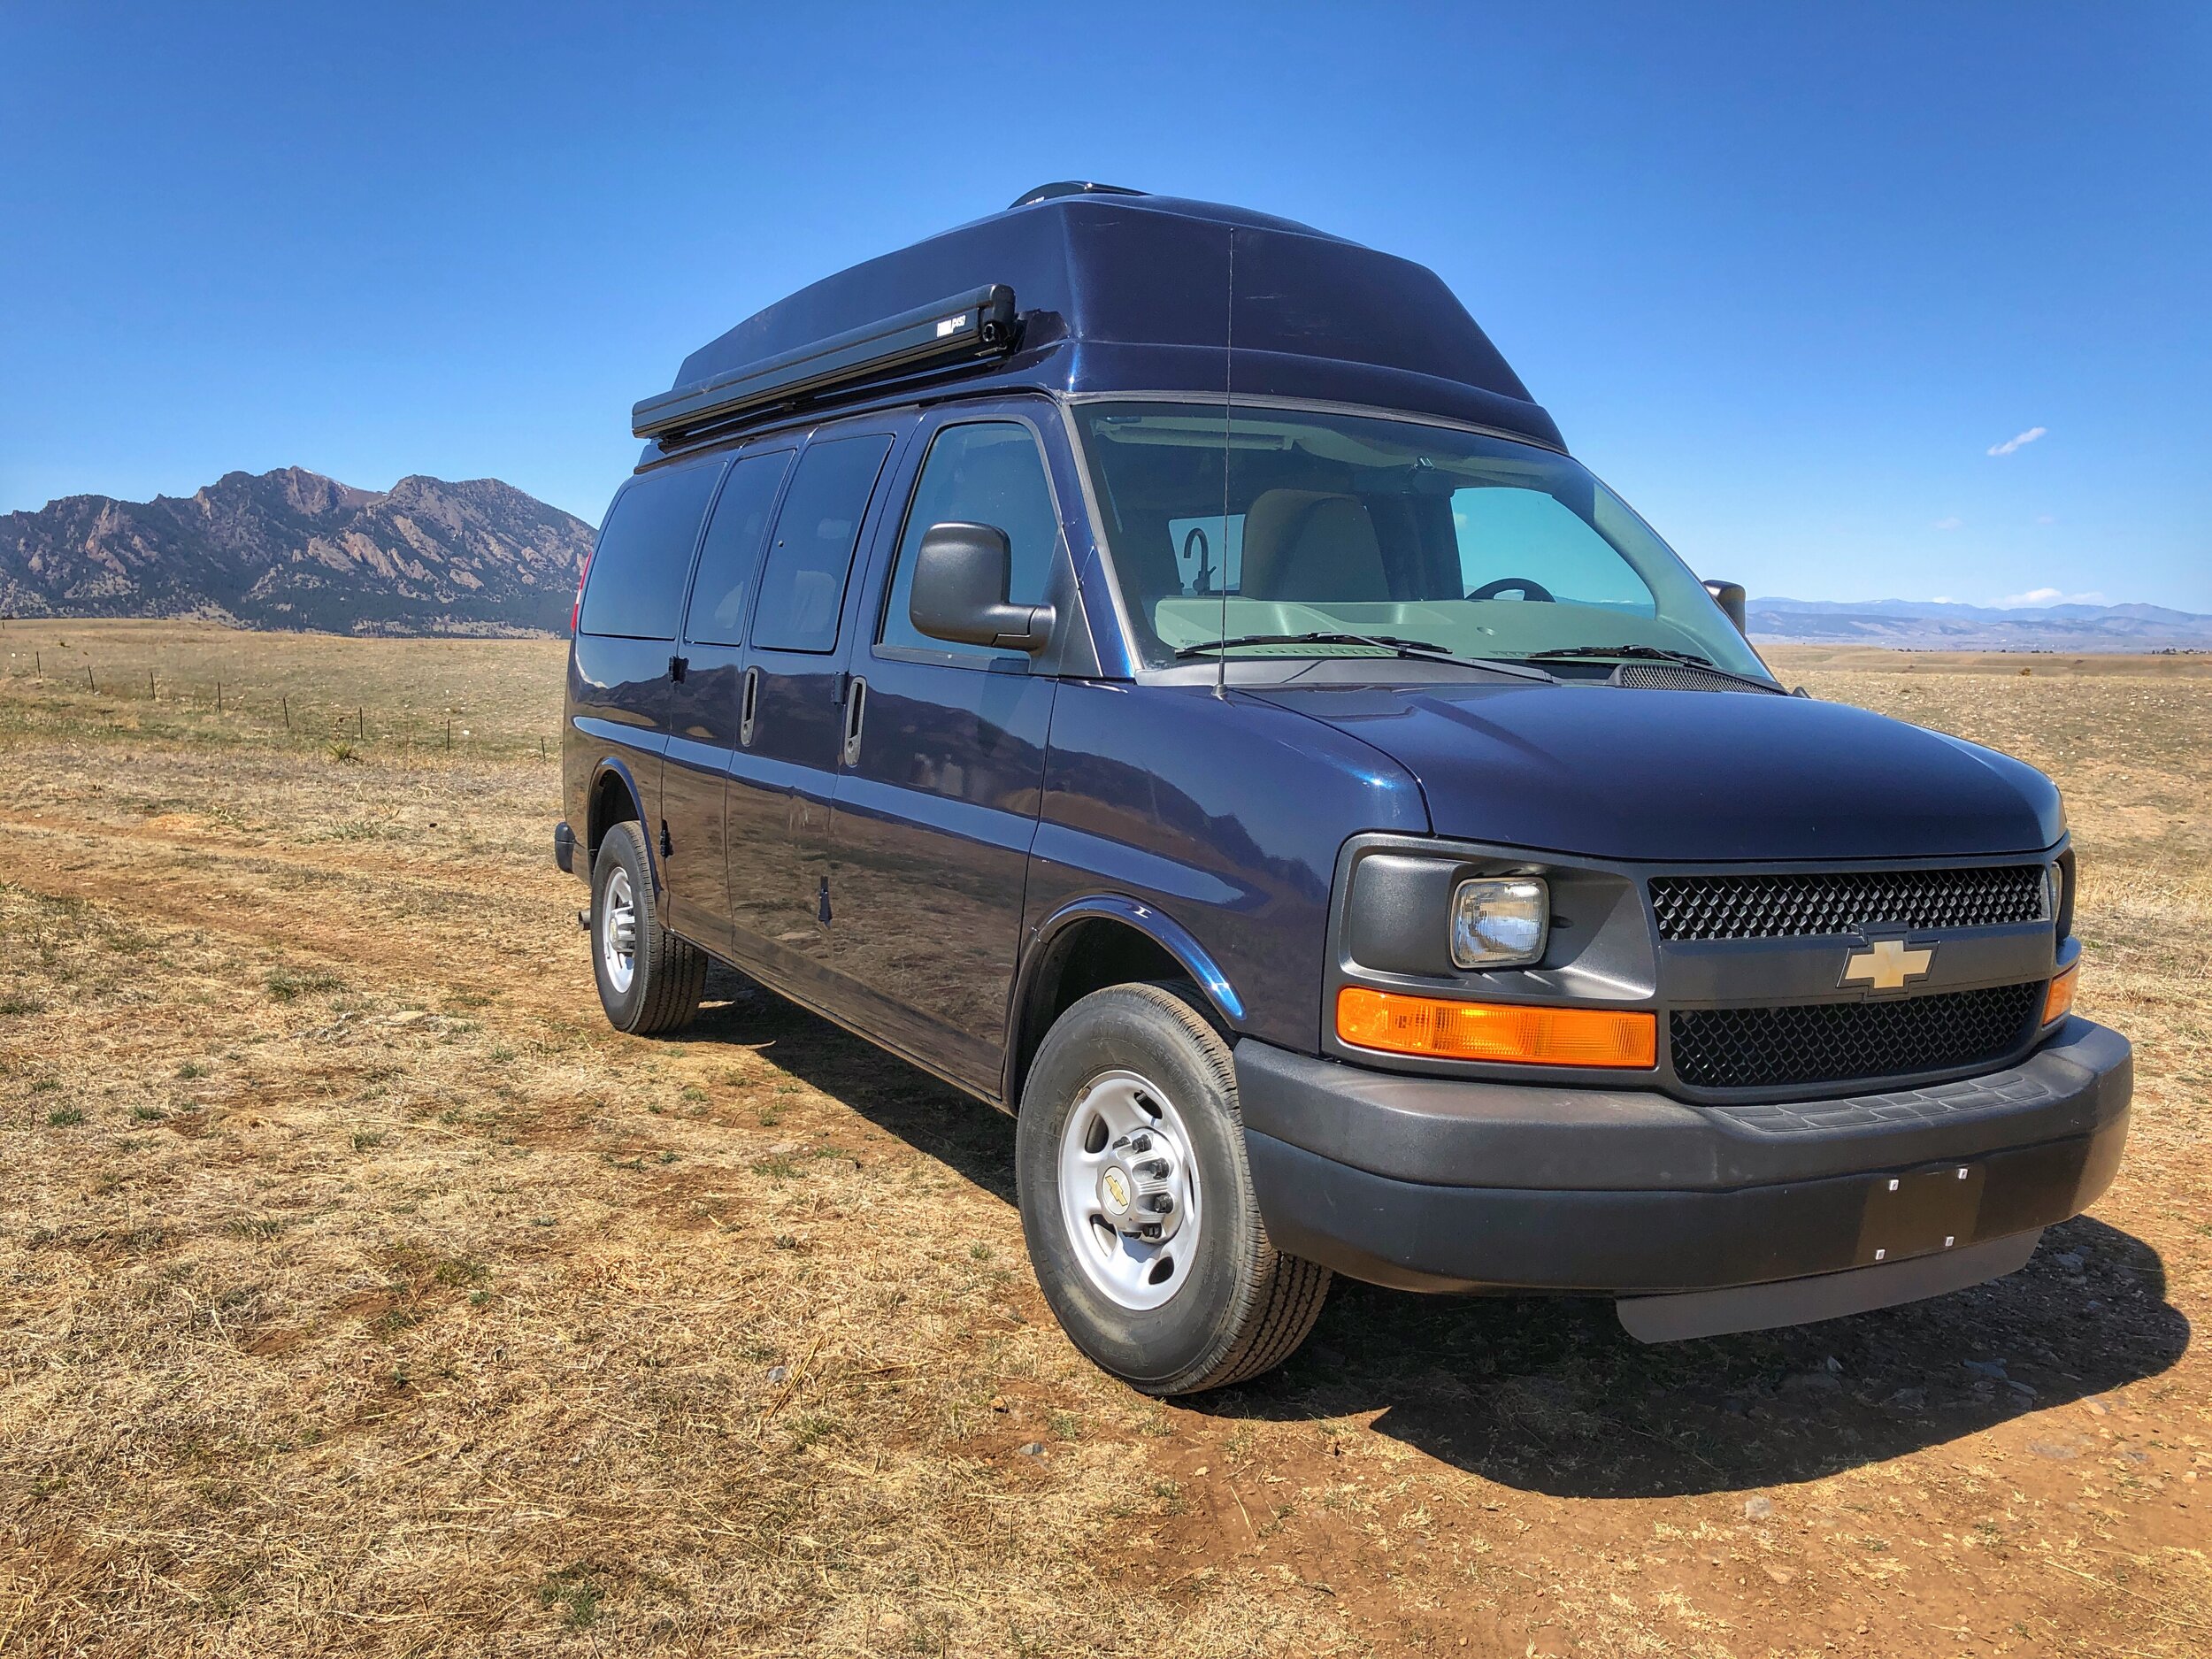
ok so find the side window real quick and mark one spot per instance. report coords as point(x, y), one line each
point(986, 472)
point(1506, 532)
point(731, 555)
point(638, 566)
point(803, 589)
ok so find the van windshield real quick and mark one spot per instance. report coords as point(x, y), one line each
point(1347, 523)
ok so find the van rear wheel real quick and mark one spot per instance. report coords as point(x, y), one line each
point(650, 980)
point(1137, 1201)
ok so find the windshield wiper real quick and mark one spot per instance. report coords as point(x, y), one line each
point(1653, 654)
point(1419, 649)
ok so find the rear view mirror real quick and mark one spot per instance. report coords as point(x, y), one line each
point(1729, 596)
point(961, 576)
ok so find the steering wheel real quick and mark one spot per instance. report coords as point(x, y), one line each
point(1527, 586)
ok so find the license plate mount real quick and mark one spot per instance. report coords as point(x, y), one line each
point(1920, 1212)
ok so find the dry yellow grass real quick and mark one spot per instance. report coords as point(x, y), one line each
point(363, 1293)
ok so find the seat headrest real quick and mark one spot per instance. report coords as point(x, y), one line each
point(1303, 544)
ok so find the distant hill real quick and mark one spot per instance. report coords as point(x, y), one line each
point(1939, 625)
point(295, 549)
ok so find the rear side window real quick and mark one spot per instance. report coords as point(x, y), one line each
point(987, 472)
point(803, 589)
point(731, 556)
point(636, 586)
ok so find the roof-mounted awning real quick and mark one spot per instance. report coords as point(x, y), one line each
point(963, 327)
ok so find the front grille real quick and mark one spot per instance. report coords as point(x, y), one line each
point(1845, 901)
point(1841, 1042)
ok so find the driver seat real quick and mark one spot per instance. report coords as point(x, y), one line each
point(1305, 544)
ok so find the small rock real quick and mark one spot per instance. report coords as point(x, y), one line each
point(1199, 1470)
point(1811, 1382)
point(1757, 1509)
point(998, 1404)
point(1833, 1364)
point(2020, 1388)
point(1033, 1448)
point(2097, 1407)
point(1909, 1399)
point(778, 1375)
point(1993, 1369)
point(1780, 1575)
point(2068, 1260)
point(1736, 1406)
point(2052, 1450)
point(783, 1148)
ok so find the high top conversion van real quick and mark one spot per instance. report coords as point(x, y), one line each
point(1152, 665)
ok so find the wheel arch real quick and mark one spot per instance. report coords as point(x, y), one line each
point(613, 798)
point(1085, 945)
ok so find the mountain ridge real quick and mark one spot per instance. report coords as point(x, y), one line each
point(1947, 625)
point(293, 548)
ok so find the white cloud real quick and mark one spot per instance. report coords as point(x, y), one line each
point(1952, 523)
point(2036, 598)
point(2019, 442)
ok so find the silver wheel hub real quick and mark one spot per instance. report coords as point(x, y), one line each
point(617, 932)
point(1129, 1193)
point(1139, 1189)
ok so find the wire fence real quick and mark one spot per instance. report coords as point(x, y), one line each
point(352, 724)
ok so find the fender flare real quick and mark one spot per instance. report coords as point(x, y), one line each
point(1162, 929)
point(615, 765)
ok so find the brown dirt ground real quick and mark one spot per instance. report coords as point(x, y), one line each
point(360, 1291)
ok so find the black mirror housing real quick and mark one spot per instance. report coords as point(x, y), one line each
point(961, 575)
point(1730, 597)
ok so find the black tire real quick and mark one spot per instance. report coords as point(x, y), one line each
point(1243, 1306)
point(668, 974)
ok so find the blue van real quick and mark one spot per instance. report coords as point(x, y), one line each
point(1152, 665)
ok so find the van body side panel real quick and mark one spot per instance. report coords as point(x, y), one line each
point(695, 774)
point(618, 709)
point(930, 857)
point(1223, 814)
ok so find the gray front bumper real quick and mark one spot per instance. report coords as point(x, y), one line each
point(1440, 1183)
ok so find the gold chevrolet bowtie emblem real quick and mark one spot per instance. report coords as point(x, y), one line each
point(1886, 964)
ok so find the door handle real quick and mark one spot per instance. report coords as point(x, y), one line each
point(856, 711)
point(750, 702)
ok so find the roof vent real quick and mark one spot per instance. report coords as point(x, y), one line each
point(1071, 187)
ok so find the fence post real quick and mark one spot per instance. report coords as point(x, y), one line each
point(360, 725)
point(448, 734)
point(89, 681)
point(219, 696)
point(286, 700)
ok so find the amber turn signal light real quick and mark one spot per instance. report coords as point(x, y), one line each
point(2058, 1002)
point(1508, 1032)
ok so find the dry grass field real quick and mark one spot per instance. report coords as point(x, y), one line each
point(365, 1293)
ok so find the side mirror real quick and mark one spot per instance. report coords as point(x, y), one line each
point(959, 594)
point(1729, 596)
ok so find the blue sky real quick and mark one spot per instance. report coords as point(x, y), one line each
point(1786, 275)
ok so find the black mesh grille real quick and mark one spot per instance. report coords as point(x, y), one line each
point(1839, 1042)
point(1674, 677)
point(1844, 902)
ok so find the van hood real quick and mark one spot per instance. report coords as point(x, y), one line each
point(1690, 776)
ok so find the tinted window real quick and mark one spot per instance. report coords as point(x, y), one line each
point(990, 473)
point(731, 554)
point(802, 589)
point(636, 586)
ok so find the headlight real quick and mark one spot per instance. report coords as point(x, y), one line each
point(2052, 889)
point(1500, 921)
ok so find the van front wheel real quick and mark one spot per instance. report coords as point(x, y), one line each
point(1137, 1201)
point(650, 980)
